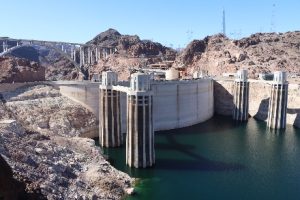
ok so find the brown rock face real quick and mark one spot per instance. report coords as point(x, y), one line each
point(261, 52)
point(107, 38)
point(131, 45)
point(57, 67)
point(196, 47)
point(132, 52)
point(20, 70)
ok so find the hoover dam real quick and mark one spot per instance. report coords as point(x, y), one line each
point(121, 117)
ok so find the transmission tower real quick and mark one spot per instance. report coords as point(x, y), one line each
point(273, 26)
point(189, 34)
point(223, 23)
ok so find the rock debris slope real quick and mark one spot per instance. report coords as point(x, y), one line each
point(46, 158)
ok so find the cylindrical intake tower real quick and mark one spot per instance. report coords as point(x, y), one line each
point(109, 109)
point(140, 133)
point(278, 101)
point(241, 96)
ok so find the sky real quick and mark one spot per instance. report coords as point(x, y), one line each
point(171, 22)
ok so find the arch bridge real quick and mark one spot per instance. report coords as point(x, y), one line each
point(80, 55)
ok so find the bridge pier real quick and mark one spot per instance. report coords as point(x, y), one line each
point(102, 53)
point(82, 56)
point(241, 96)
point(140, 133)
point(88, 56)
point(278, 101)
point(110, 112)
point(106, 53)
point(5, 46)
point(73, 54)
point(96, 54)
point(92, 56)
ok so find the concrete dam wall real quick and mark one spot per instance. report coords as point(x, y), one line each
point(176, 104)
point(259, 95)
point(85, 94)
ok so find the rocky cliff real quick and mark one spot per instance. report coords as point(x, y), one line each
point(42, 154)
point(20, 70)
point(261, 52)
point(57, 67)
point(132, 45)
point(132, 52)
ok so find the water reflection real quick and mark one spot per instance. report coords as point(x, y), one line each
point(220, 159)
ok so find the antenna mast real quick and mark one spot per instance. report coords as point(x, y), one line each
point(224, 25)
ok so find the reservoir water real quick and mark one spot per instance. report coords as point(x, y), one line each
point(219, 159)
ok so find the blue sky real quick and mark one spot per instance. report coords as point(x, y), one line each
point(170, 22)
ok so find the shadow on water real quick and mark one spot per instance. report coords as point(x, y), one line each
point(189, 159)
point(198, 162)
point(210, 126)
point(195, 161)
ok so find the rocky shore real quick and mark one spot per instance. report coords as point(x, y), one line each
point(42, 155)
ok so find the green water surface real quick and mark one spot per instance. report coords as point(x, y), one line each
point(219, 159)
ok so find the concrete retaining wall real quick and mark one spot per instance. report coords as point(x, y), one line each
point(84, 94)
point(259, 95)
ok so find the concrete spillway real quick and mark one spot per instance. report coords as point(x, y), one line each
point(278, 102)
point(241, 97)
